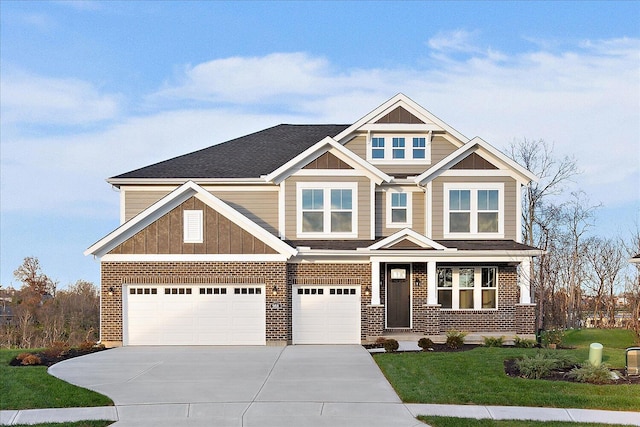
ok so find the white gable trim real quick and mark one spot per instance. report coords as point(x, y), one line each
point(171, 201)
point(522, 175)
point(400, 100)
point(412, 236)
point(331, 145)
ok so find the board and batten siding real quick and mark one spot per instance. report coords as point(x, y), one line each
point(417, 212)
point(364, 202)
point(510, 202)
point(260, 206)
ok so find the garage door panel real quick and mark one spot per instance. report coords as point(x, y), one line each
point(194, 315)
point(326, 315)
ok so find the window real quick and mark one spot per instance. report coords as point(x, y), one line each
point(398, 209)
point(467, 288)
point(327, 209)
point(377, 148)
point(474, 210)
point(406, 149)
point(398, 148)
point(193, 229)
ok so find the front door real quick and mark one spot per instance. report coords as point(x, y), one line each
point(398, 296)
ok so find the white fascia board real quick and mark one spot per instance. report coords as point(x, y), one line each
point(522, 175)
point(408, 104)
point(411, 255)
point(315, 151)
point(411, 235)
point(169, 202)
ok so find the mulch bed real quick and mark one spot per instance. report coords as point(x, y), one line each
point(511, 369)
point(437, 348)
point(48, 360)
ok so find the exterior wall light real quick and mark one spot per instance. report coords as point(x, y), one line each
point(417, 283)
point(367, 290)
point(274, 290)
point(111, 291)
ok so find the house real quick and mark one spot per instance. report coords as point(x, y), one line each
point(299, 234)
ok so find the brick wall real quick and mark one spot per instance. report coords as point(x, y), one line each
point(525, 319)
point(115, 274)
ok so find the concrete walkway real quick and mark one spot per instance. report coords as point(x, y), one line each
point(258, 386)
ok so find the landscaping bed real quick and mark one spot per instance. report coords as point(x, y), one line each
point(53, 355)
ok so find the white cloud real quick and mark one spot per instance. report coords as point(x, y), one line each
point(454, 41)
point(33, 99)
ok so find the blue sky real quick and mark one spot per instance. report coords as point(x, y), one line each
point(90, 90)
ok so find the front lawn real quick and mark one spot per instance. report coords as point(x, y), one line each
point(99, 423)
point(470, 422)
point(477, 377)
point(31, 387)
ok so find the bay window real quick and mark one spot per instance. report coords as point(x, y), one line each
point(467, 288)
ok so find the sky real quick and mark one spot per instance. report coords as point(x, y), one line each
point(90, 90)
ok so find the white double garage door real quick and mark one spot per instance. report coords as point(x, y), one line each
point(236, 314)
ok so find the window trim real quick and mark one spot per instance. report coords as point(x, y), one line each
point(473, 187)
point(193, 231)
point(477, 288)
point(408, 223)
point(326, 209)
point(408, 148)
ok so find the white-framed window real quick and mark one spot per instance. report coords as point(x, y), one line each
point(193, 226)
point(467, 288)
point(327, 209)
point(473, 210)
point(399, 209)
point(394, 149)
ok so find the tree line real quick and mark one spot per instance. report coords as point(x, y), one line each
point(38, 314)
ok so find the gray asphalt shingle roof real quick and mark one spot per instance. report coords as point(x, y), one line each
point(249, 156)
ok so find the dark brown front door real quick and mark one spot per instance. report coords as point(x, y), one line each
point(398, 296)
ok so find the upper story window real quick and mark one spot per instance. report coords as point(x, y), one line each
point(467, 288)
point(326, 210)
point(474, 210)
point(193, 226)
point(393, 149)
point(398, 210)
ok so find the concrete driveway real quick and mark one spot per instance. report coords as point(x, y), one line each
point(240, 386)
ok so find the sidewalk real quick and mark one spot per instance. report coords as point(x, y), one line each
point(33, 416)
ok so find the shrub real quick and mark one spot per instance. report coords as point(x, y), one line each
point(455, 339)
point(493, 341)
point(425, 343)
point(523, 342)
point(552, 337)
point(390, 345)
point(31, 359)
point(380, 340)
point(21, 356)
point(541, 365)
point(57, 349)
point(587, 373)
point(87, 345)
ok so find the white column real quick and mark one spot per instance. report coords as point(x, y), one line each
point(375, 282)
point(524, 280)
point(432, 293)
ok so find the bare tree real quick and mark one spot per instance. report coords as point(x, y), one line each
point(32, 277)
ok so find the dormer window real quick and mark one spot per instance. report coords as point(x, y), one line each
point(394, 149)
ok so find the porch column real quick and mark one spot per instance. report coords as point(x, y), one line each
point(432, 294)
point(375, 282)
point(524, 279)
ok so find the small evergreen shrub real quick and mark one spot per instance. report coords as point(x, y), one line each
point(552, 337)
point(31, 359)
point(523, 342)
point(587, 373)
point(391, 345)
point(493, 341)
point(455, 339)
point(425, 343)
point(541, 365)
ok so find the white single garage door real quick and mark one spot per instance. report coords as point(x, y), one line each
point(194, 315)
point(326, 314)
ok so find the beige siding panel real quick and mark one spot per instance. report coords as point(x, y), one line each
point(137, 201)
point(380, 217)
point(510, 202)
point(259, 206)
point(358, 145)
point(419, 215)
point(364, 202)
point(440, 148)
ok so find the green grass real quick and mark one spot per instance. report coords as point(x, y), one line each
point(100, 423)
point(31, 387)
point(477, 377)
point(470, 422)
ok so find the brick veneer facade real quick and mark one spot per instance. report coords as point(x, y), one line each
point(427, 319)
